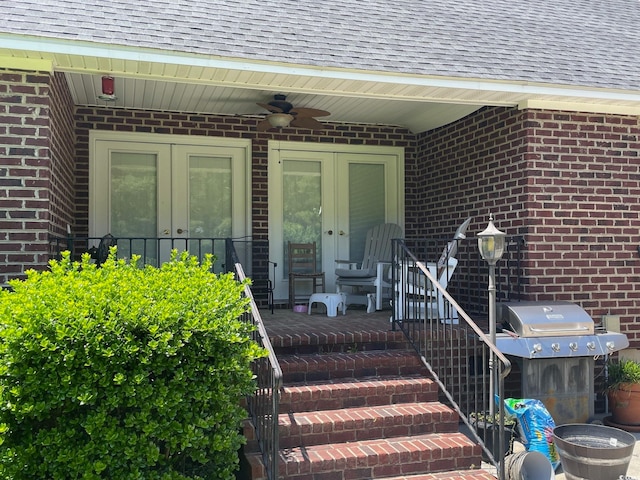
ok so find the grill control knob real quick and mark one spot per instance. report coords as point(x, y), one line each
point(591, 345)
point(573, 346)
point(537, 348)
point(611, 346)
point(555, 347)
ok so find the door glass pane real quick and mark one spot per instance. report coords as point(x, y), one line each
point(134, 203)
point(302, 203)
point(209, 205)
point(366, 203)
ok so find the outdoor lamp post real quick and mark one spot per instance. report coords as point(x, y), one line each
point(491, 246)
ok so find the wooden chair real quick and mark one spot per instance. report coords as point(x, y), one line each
point(303, 268)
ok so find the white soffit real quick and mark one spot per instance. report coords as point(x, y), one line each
point(166, 81)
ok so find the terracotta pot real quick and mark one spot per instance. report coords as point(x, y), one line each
point(624, 403)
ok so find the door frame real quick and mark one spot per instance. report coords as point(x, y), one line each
point(158, 139)
point(275, 189)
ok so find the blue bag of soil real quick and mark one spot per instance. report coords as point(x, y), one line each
point(535, 425)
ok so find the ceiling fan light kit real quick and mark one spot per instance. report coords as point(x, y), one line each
point(284, 114)
point(280, 119)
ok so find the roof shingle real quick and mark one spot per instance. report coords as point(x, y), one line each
point(571, 42)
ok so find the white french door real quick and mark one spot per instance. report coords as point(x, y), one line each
point(330, 195)
point(166, 186)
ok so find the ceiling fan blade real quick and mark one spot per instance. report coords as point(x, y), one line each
point(307, 122)
point(263, 126)
point(271, 108)
point(308, 112)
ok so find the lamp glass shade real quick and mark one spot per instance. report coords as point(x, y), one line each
point(491, 243)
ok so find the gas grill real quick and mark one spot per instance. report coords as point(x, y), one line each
point(556, 344)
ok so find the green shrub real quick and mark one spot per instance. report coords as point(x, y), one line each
point(122, 372)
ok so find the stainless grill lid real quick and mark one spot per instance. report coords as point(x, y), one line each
point(546, 319)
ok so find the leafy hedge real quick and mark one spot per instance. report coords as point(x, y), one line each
point(122, 372)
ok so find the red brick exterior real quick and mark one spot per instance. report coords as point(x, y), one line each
point(36, 168)
point(569, 182)
point(63, 168)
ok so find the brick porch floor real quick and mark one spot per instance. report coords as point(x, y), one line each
point(287, 328)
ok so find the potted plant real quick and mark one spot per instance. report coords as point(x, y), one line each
point(623, 391)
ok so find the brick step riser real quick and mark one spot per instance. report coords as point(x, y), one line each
point(258, 472)
point(314, 405)
point(380, 459)
point(356, 425)
point(315, 368)
point(333, 396)
point(341, 340)
point(328, 348)
point(296, 439)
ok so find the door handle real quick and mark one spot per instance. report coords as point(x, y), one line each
point(181, 231)
point(166, 231)
point(341, 233)
point(330, 232)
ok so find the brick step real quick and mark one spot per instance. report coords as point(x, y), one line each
point(254, 460)
point(341, 345)
point(323, 367)
point(365, 423)
point(380, 458)
point(353, 392)
point(455, 475)
point(338, 339)
point(255, 469)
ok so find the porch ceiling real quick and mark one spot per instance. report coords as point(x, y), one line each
point(161, 81)
point(240, 99)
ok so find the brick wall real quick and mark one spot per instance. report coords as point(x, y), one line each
point(62, 205)
point(568, 182)
point(36, 168)
point(469, 168)
point(24, 172)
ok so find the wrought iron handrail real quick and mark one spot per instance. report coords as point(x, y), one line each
point(264, 404)
point(152, 250)
point(458, 354)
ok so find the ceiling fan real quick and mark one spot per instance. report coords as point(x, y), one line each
point(284, 114)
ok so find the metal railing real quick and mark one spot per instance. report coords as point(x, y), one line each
point(231, 255)
point(458, 354)
point(468, 284)
point(152, 250)
point(264, 404)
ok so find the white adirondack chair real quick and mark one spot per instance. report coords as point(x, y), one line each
point(369, 276)
point(416, 298)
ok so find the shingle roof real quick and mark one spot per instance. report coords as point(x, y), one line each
point(572, 42)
